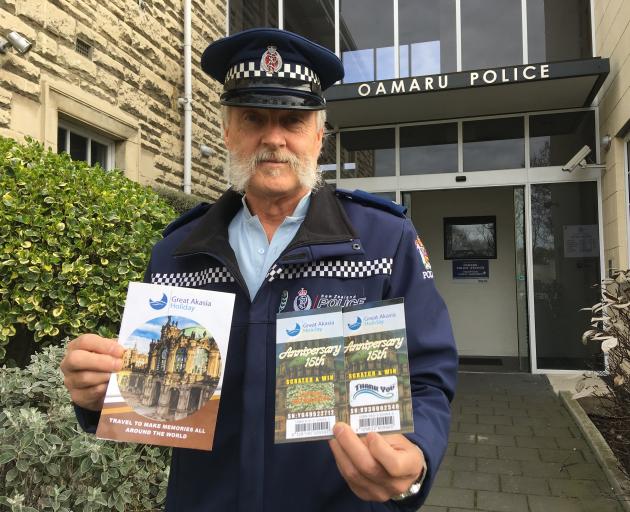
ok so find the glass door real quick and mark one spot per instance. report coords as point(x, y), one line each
point(566, 266)
point(520, 260)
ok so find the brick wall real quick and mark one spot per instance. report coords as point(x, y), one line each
point(611, 22)
point(136, 66)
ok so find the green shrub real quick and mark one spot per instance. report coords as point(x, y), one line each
point(178, 200)
point(610, 326)
point(48, 464)
point(71, 238)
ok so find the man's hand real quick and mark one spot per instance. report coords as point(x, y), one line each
point(376, 467)
point(87, 366)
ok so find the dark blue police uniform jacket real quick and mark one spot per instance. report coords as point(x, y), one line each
point(349, 249)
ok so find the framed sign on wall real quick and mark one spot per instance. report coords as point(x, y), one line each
point(470, 238)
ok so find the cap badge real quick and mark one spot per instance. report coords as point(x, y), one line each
point(271, 61)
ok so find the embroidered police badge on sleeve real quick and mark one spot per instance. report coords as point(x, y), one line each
point(424, 256)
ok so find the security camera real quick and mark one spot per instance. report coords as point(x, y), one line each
point(578, 160)
point(18, 41)
point(206, 151)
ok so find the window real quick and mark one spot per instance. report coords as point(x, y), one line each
point(245, 14)
point(428, 45)
point(428, 149)
point(491, 33)
point(162, 361)
point(367, 40)
point(180, 360)
point(313, 20)
point(494, 144)
point(555, 138)
point(201, 362)
point(558, 30)
point(82, 144)
point(368, 153)
point(388, 196)
point(328, 157)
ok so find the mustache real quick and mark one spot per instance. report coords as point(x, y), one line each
point(240, 168)
point(277, 156)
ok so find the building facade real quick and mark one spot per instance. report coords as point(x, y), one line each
point(503, 126)
point(103, 81)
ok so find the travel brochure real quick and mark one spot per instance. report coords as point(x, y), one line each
point(169, 388)
point(333, 364)
point(347, 365)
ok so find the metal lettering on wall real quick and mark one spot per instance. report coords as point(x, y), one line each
point(454, 80)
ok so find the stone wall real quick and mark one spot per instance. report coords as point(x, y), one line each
point(611, 22)
point(134, 74)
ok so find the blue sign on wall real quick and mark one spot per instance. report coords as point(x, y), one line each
point(471, 269)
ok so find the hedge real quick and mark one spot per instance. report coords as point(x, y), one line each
point(72, 237)
point(48, 464)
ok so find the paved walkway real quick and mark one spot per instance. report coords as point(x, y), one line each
point(514, 448)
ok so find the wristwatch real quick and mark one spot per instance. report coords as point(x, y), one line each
point(414, 488)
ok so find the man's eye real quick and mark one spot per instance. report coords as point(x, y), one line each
point(251, 118)
point(293, 120)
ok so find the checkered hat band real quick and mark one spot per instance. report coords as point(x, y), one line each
point(272, 83)
point(342, 269)
point(252, 69)
point(194, 279)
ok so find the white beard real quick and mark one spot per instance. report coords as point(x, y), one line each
point(239, 170)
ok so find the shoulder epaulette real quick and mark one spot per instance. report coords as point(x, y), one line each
point(186, 217)
point(367, 199)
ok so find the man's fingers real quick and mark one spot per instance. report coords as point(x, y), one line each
point(95, 343)
point(86, 379)
point(90, 398)
point(82, 360)
point(347, 468)
point(358, 453)
point(363, 487)
point(401, 460)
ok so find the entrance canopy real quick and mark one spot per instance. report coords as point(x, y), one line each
point(483, 92)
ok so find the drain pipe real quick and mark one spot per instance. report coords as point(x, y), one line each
point(186, 101)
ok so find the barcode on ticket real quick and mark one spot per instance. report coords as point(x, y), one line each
point(311, 427)
point(375, 422)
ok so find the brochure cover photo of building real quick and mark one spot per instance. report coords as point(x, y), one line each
point(169, 388)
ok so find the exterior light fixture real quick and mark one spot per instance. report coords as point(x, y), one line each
point(17, 41)
point(206, 151)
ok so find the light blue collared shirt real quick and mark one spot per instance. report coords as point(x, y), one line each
point(254, 253)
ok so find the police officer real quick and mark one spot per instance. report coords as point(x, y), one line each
point(281, 240)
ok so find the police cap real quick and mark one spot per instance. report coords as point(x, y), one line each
point(271, 68)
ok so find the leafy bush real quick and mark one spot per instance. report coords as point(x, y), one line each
point(72, 237)
point(611, 327)
point(178, 200)
point(48, 464)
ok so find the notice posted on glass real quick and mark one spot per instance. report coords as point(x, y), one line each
point(347, 365)
point(169, 388)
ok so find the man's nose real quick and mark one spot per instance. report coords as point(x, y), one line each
point(273, 135)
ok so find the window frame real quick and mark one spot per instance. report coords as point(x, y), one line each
point(458, 31)
point(90, 135)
